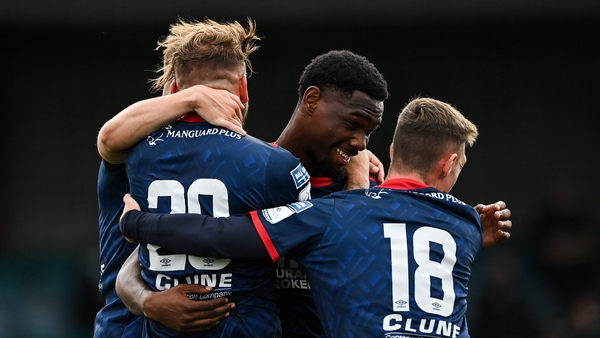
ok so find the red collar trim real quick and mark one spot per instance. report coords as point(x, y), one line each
point(191, 117)
point(403, 184)
point(320, 181)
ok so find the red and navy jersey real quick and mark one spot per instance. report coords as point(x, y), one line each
point(298, 312)
point(114, 319)
point(297, 309)
point(393, 260)
point(191, 166)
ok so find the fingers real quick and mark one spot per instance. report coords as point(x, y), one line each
point(481, 208)
point(376, 168)
point(500, 208)
point(183, 308)
point(205, 319)
point(203, 314)
point(194, 288)
point(503, 235)
point(377, 173)
point(504, 214)
point(234, 126)
point(506, 225)
point(130, 203)
point(131, 240)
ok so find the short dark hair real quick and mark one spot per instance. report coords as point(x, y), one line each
point(345, 72)
point(425, 131)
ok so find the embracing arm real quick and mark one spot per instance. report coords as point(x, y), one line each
point(219, 107)
point(171, 307)
point(194, 234)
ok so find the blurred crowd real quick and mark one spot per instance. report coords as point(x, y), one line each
point(545, 282)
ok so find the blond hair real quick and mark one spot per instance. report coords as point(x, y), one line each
point(204, 45)
point(426, 130)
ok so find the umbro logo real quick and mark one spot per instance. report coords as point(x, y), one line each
point(401, 303)
point(165, 262)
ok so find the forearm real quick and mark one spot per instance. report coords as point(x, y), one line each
point(130, 285)
point(195, 234)
point(138, 121)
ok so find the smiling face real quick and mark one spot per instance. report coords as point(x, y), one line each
point(340, 127)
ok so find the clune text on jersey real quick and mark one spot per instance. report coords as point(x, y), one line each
point(395, 322)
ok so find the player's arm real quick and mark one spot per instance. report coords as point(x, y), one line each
point(218, 107)
point(286, 180)
point(194, 234)
point(171, 307)
point(363, 168)
point(496, 223)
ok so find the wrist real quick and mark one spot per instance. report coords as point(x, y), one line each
point(362, 183)
point(143, 303)
point(194, 98)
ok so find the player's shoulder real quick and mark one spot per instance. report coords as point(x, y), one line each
point(447, 202)
point(271, 148)
point(267, 145)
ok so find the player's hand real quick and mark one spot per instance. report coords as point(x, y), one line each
point(360, 168)
point(496, 223)
point(220, 107)
point(358, 171)
point(377, 171)
point(130, 204)
point(173, 308)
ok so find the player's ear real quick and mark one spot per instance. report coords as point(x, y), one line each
point(173, 88)
point(311, 99)
point(243, 89)
point(447, 163)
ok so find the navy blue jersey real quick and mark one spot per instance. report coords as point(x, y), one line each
point(389, 261)
point(298, 312)
point(382, 262)
point(194, 167)
point(114, 319)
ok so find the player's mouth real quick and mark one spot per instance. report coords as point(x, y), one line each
point(345, 157)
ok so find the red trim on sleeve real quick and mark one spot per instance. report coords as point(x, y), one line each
point(264, 236)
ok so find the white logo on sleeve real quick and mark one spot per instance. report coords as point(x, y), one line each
point(305, 193)
point(276, 215)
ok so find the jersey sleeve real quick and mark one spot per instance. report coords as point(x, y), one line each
point(196, 234)
point(291, 230)
point(295, 229)
point(286, 179)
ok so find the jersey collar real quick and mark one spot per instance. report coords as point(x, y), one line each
point(320, 181)
point(403, 184)
point(191, 117)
